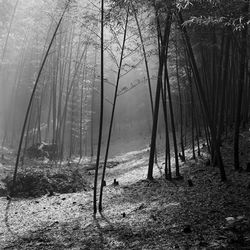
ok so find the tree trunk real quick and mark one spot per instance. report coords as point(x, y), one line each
point(242, 67)
point(32, 96)
point(101, 110)
point(205, 108)
point(162, 59)
point(113, 112)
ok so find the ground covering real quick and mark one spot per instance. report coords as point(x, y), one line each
point(138, 214)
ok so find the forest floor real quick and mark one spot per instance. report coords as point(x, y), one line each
point(137, 214)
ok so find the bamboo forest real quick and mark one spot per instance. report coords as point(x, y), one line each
point(124, 124)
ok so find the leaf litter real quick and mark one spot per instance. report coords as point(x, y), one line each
point(138, 214)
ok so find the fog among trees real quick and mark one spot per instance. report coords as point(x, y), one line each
point(108, 98)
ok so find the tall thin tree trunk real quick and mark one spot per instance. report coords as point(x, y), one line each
point(92, 110)
point(81, 107)
point(113, 112)
point(101, 111)
point(172, 122)
point(201, 92)
point(32, 96)
point(162, 59)
point(242, 67)
point(168, 171)
point(180, 101)
point(147, 68)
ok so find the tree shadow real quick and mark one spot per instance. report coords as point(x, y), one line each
point(121, 232)
point(107, 220)
point(100, 231)
point(6, 221)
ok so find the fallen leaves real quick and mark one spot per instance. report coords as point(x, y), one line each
point(138, 213)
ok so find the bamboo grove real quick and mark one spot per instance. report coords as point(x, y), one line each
point(197, 94)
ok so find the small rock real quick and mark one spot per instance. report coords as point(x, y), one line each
point(182, 157)
point(51, 193)
point(190, 183)
point(142, 206)
point(240, 217)
point(153, 217)
point(63, 199)
point(230, 219)
point(136, 243)
point(187, 229)
point(207, 162)
point(179, 178)
point(248, 167)
point(203, 244)
point(123, 214)
point(116, 183)
point(240, 169)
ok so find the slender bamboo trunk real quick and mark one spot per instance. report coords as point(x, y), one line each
point(101, 111)
point(201, 92)
point(64, 115)
point(81, 107)
point(192, 118)
point(172, 122)
point(147, 68)
point(242, 67)
point(92, 110)
point(180, 102)
point(145, 60)
point(32, 96)
point(168, 171)
point(162, 61)
point(113, 112)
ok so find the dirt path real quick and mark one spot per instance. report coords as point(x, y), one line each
point(20, 217)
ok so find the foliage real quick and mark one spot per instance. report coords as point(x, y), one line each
point(42, 150)
point(224, 13)
point(139, 213)
point(38, 183)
